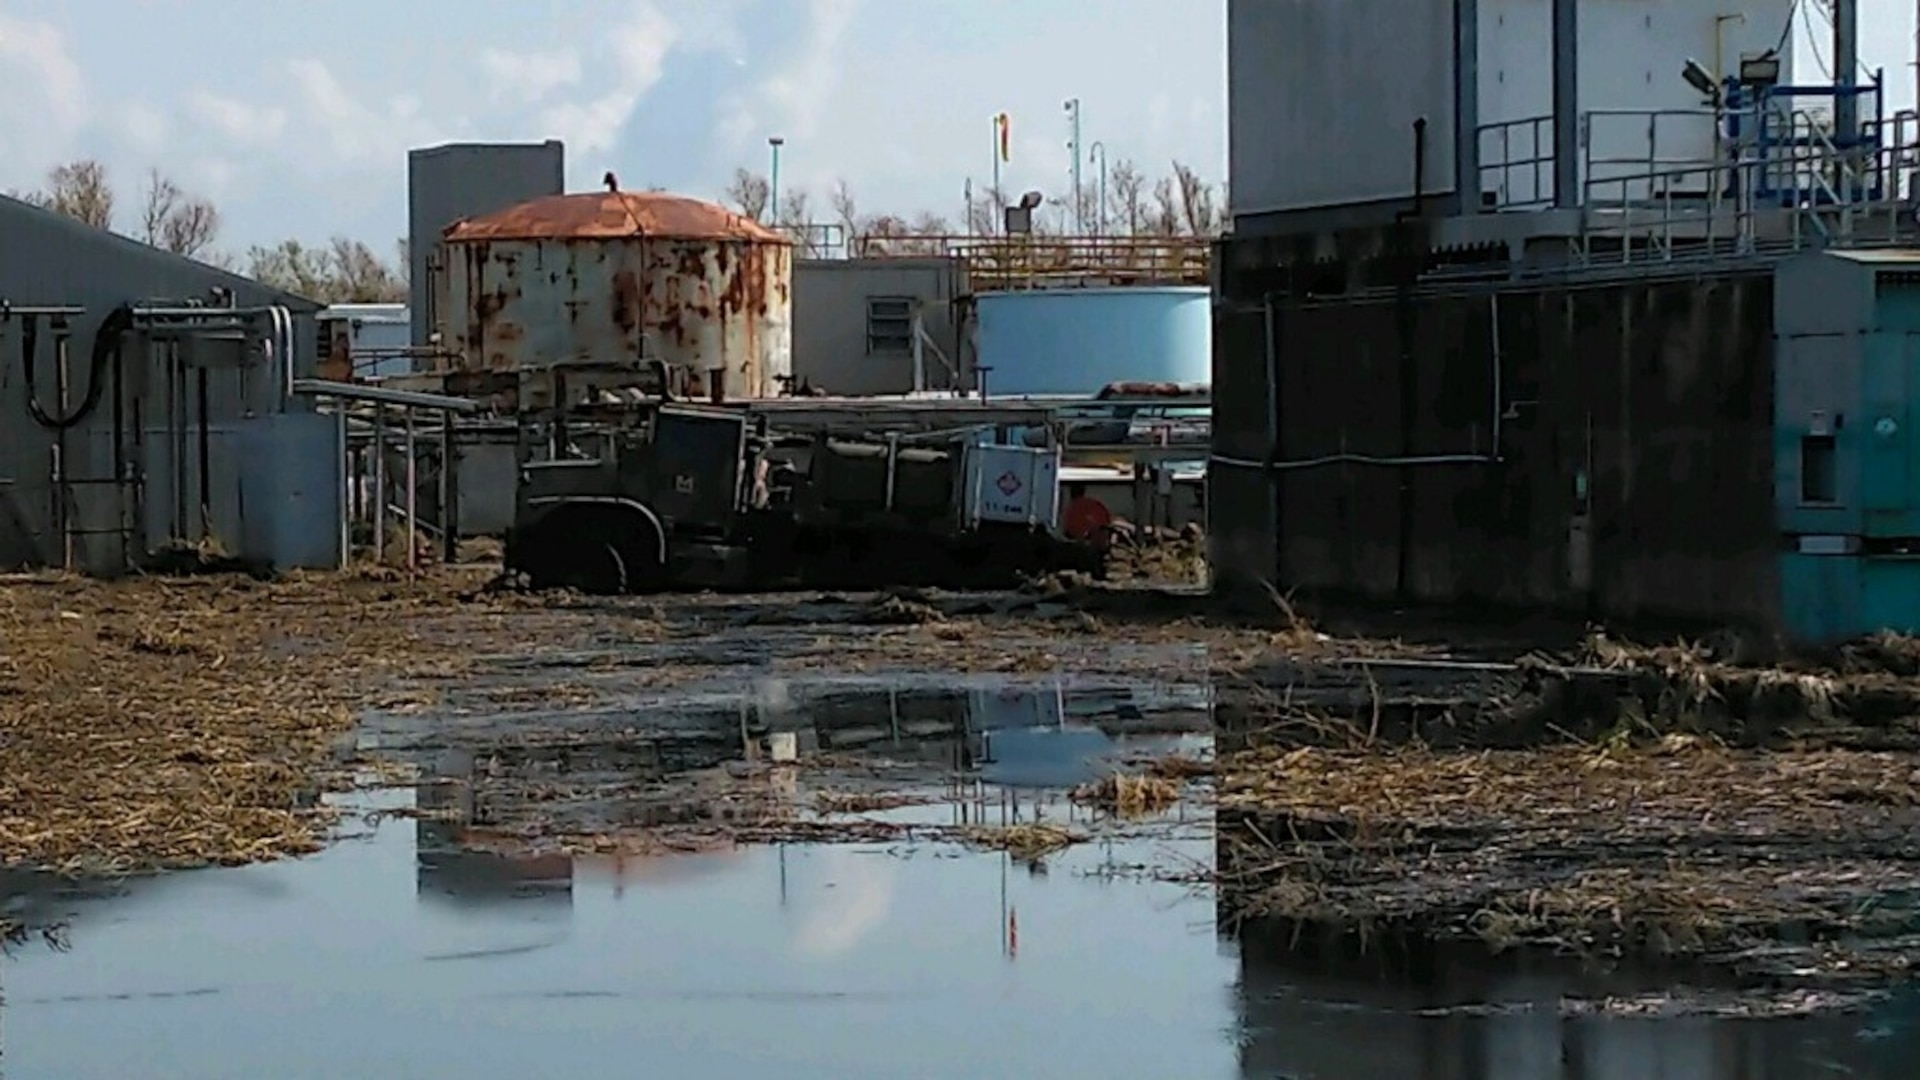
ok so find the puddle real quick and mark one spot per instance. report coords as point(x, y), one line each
point(376, 958)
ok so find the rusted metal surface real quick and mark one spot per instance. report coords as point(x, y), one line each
point(686, 283)
point(609, 215)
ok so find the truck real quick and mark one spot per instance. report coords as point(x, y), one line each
point(663, 495)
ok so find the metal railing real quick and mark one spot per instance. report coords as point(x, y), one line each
point(1786, 199)
point(1662, 183)
point(1032, 262)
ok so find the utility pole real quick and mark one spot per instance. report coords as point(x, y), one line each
point(773, 180)
point(1099, 150)
point(1073, 145)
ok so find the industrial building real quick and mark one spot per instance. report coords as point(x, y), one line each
point(149, 401)
point(1590, 307)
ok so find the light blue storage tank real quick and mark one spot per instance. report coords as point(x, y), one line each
point(1075, 341)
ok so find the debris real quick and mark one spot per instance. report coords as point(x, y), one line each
point(1026, 843)
point(1129, 796)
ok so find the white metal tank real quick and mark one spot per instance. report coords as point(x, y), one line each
point(615, 275)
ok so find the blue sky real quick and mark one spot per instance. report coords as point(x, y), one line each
point(296, 118)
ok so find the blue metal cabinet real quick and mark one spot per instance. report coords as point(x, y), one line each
point(1847, 486)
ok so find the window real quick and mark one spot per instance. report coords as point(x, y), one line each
point(1819, 470)
point(889, 324)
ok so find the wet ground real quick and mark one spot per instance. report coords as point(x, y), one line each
point(864, 836)
point(391, 955)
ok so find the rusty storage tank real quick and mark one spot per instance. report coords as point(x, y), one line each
point(590, 277)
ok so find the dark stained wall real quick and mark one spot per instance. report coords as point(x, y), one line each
point(1661, 391)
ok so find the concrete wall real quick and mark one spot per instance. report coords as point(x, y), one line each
point(830, 322)
point(47, 260)
point(1322, 96)
point(460, 180)
point(1654, 398)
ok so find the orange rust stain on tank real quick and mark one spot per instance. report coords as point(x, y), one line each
point(626, 301)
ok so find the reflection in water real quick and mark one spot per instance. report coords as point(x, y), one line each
point(402, 954)
point(1322, 1010)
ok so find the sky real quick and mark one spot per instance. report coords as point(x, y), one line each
point(295, 119)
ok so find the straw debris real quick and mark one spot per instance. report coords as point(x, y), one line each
point(1128, 796)
point(1684, 847)
point(188, 721)
point(1026, 842)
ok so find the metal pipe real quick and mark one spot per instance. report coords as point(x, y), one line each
point(413, 497)
point(347, 474)
point(203, 406)
point(117, 410)
point(404, 398)
point(1566, 104)
point(449, 491)
point(177, 434)
point(1466, 108)
point(1846, 71)
point(379, 450)
point(63, 393)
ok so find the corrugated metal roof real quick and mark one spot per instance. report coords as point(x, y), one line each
point(612, 215)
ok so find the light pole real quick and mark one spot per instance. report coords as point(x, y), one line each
point(773, 179)
point(1099, 150)
point(1073, 144)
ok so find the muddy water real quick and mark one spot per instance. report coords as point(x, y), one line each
point(394, 954)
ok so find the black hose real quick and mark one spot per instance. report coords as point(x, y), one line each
point(106, 347)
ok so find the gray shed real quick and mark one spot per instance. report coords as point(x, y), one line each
point(173, 427)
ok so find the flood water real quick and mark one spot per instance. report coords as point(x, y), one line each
point(394, 954)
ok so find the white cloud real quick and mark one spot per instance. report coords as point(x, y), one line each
point(46, 104)
point(359, 134)
point(797, 95)
point(637, 49)
point(144, 126)
point(529, 76)
point(237, 120)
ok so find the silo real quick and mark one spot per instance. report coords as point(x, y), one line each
point(611, 275)
point(1047, 342)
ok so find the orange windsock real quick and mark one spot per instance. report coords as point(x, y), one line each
point(1006, 136)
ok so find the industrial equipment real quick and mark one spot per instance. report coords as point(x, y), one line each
point(630, 497)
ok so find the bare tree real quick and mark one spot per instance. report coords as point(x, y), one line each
point(1127, 194)
point(750, 192)
point(796, 218)
point(845, 211)
point(172, 220)
point(293, 267)
point(985, 212)
point(360, 276)
point(345, 271)
point(1201, 214)
point(80, 190)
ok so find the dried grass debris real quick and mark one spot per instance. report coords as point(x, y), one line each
point(1685, 847)
point(1128, 795)
point(1025, 842)
point(170, 722)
